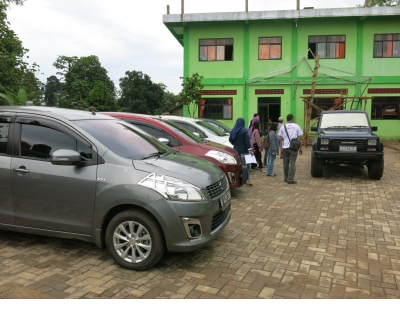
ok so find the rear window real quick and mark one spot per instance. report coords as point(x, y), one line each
point(123, 139)
point(211, 128)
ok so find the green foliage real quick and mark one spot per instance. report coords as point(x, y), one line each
point(53, 94)
point(17, 2)
point(15, 99)
point(139, 94)
point(14, 71)
point(372, 3)
point(191, 93)
point(101, 98)
point(85, 83)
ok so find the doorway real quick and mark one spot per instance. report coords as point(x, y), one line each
point(268, 108)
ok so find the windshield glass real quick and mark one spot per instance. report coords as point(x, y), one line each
point(213, 130)
point(124, 139)
point(183, 132)
point(218, 125)
point(344, 120)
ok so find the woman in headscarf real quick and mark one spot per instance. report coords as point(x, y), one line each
point(256, 143)
point(255, 118)
point(240, 140)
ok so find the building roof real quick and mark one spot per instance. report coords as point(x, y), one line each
point(176, 22)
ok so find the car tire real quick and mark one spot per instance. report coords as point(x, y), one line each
point(316, 167)
point(375, 169)
point(135, 240)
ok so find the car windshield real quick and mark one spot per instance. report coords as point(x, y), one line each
point(211, 128)
point(124, 139)
point(183, 132)
point(218, 125)
point(332, 121)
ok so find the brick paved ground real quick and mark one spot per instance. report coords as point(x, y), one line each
point(333, 237)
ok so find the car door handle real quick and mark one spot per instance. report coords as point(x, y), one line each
point(21, 169)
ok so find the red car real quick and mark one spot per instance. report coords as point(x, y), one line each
point(179, 138)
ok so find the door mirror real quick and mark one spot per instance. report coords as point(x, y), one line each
point(374, 128)
point(65, 158)
point(163, 140)
point(196, 134)
point(314, 128)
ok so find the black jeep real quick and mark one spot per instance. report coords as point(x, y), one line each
point(346, 137)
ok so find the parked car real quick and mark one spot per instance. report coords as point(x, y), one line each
point(345, 137)
point(179, 138)
point(217, 124)
point(88, 176)
point(201, 128)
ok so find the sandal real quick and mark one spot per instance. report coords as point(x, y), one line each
point(271, 175)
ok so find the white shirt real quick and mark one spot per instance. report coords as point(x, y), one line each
point(294, 131)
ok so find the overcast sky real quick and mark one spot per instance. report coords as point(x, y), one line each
point(126, 35)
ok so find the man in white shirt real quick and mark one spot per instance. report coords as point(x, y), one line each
point(289, 156)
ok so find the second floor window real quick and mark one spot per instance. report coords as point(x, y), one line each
point(216, 49)
point(270, 48)
point(327, 46)
point(386, 45)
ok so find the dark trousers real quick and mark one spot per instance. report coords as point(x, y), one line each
point(257, 154)
point(289, 164)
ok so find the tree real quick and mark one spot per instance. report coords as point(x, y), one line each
point(170, 100)
point(101, 98)
point(82, 75)
point(15, 99)
point(15, 74)
point(17, 2)
point(191, 93)
point(53, 94)
point(139, 94)
point(372, 3)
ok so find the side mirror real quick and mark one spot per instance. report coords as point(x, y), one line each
point(65, 158)
point(163, 140)
point(196, 134)
point(314, 128)
point(374, 128)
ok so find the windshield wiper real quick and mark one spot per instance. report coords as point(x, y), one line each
point(332, 127)
point(357, 126)
point(156, 154)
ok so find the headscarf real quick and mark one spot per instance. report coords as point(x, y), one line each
point(255, 118)
point(238, 129)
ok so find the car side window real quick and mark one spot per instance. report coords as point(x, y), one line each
point(192, 129)
point(4, 129)
point(158, 133)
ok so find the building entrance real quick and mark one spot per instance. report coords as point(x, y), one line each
point(269, 108)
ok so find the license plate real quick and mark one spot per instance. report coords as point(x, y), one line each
point(225, 200)
point(346, 148)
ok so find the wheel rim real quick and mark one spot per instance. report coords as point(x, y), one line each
point(132, 242)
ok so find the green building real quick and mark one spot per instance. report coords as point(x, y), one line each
point(263, 62)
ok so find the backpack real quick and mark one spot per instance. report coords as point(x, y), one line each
point(266, 143)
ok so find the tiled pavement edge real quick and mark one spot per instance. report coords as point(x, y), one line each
point(331, 237)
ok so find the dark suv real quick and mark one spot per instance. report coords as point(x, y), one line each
point(346, 137)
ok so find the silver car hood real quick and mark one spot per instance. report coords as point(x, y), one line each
point(186, 167)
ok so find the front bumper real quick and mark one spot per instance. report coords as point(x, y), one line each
point(173, 215)
point(236, 174)
point(348, 157)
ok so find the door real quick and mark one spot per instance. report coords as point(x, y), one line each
point(6, 201)
point(269, 108)
point(48, 196)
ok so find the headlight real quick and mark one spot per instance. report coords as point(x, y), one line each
point(324, 141)
point(371, 142)
point(222, 157)
point(172, 188)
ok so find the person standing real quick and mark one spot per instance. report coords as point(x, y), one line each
point(240, 140)
point(256, 143)
point(280, 124)
point(273, 149)
point(255, 118)
point(287, 132)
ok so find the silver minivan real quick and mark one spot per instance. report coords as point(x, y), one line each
point(82, 175)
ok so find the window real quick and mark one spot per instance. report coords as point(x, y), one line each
point(216, 50)
point(215, 108)
point(325, 104)
point(327, 46)
point(385, 108)
point(4, 128)
point(387, 45)
point(270, 48)
point(192, 128)
point(157, 133)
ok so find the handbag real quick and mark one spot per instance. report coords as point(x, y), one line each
point(294, 143)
